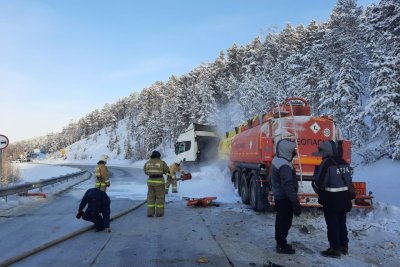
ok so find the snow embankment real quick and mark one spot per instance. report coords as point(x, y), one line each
point(383, 180)
point(37, 172)
point(30, 172)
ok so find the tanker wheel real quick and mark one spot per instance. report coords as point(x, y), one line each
point(236, 178)
point(244, 189)
point(258, 195)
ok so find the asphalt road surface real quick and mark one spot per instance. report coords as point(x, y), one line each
point(225, 235)
point(183, 237)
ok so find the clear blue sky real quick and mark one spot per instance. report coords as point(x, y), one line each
point(60, 60)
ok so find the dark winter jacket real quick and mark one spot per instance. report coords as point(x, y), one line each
point(284, 181)
point(333, 177)
point(97, 202)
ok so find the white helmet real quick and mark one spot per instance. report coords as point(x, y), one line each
point(104, 158)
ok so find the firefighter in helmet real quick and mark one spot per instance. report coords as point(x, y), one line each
point(101, 173)
point(155, 168)
point(171, 178)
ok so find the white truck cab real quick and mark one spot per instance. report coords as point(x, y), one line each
point(198, 143)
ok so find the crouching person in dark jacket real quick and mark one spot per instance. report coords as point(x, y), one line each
point(284, 188)
point(332, 179)
point(98, 210)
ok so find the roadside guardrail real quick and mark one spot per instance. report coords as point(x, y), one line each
point(24, 188)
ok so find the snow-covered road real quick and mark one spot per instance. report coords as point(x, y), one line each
point(229, 235)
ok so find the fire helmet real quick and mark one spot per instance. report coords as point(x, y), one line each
point(155, 155)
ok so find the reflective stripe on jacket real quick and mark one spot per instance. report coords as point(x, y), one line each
point(156, 167)
point(155, 181)
point(333, 177)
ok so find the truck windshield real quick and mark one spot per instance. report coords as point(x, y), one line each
point(181, 147)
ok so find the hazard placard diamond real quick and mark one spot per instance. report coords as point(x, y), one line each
point(315, 127)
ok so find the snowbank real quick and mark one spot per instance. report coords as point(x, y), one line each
point(31, 172)
point(382, 178)
point(36, 172)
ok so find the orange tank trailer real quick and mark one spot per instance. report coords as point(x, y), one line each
point(253, 148)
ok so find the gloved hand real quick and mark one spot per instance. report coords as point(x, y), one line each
point(79, 214)
point(296, 208)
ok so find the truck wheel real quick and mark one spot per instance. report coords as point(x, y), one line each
point(236, 178)
point(258, 195)
point(244, 189)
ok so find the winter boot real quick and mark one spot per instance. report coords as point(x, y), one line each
point(344, 249)
point(330, 252)
point(99, 229)
point(285, 249)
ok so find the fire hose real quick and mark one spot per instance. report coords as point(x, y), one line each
point(63, 238)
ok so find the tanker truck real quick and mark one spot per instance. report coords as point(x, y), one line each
point(251, 147)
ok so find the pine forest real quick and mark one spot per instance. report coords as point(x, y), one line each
point(348, 67)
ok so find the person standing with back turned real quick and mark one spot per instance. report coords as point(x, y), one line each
point(332, 179)
point(284, 188)
point(155, 168)
point(101, 173)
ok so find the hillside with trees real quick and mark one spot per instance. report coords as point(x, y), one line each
point(348, 66)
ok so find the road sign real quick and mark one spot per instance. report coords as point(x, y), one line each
point(3, 141)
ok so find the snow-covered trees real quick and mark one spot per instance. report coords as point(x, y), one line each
point(346, 103)
point(382, 33)
point(384, 106)
point(341, 42)
point(203, 101)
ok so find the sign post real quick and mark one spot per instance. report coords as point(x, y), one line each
point(3, 144)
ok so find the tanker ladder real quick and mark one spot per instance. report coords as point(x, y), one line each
point(294, 132)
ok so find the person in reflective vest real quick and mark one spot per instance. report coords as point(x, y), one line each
point(101, 173)
point(332, 179)
point(98, 210)
point(171, 178)
point(155, 168)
